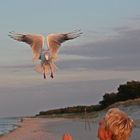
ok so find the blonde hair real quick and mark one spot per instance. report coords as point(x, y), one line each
point(119, 124)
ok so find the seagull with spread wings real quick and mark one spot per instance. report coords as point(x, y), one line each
point(47, 56)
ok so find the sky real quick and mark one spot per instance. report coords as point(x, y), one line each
point(105, 56)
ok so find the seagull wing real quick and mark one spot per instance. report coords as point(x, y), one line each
point(35, 41)
point(54, 41)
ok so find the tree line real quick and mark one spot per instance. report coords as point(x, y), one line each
point(130, 90)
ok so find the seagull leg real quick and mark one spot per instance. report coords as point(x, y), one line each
point(52, 75)
point(51, 71)
point(44, 75)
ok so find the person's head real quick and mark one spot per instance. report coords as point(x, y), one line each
point(116, 125)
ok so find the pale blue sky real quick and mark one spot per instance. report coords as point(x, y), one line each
point(106, 55)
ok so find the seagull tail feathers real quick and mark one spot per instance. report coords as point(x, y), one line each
point(39, 68)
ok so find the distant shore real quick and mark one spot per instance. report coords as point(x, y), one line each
point(30, 129)
point(93, 114)
point(126, 103)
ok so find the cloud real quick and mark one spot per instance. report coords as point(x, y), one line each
point(85, 73)
point(18, 66)
point(122, 51)
point(136, 18)
point(29, 100)
point(119, 52)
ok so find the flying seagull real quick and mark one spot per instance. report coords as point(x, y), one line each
point(46, 56)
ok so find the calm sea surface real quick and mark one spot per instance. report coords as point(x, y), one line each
point(8, 124)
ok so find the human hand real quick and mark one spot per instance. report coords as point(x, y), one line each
point(67, 137)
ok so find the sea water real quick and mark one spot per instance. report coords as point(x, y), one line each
point(8, 124)
point(87, 130)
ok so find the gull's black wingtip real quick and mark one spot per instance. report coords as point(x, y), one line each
point(78, 32)
point(11, 32)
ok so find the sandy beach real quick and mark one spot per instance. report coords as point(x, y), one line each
point(53, 129)
point(37, 129)
point(30, 129)
point(40, 129)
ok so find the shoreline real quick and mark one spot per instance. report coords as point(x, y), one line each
point(41, 128)
point(30, 129)
point(37, 129)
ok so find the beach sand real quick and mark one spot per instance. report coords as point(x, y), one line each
point(49, 129)
point(41, 129)
point(30, 129)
